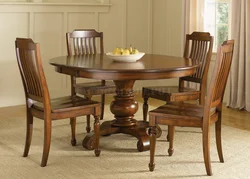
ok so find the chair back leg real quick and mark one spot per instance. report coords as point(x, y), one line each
point(145, 109)
point(29, 129)
point(47, 141)
point(206, 150)
point(102, 105)
point(218, 137)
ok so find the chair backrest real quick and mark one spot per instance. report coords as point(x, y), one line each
point(30, 66)
point(219, 77)
point(84, 41)
point(199, 47)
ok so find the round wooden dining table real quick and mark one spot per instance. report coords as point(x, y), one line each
point(124, 75)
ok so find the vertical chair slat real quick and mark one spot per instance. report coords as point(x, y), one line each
point(88, 46)
point(79, 45)
point(91, 50)
point(83, 45)
point(75, 46)
point(94, 45)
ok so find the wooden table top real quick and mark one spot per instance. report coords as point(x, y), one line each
point(150, 66)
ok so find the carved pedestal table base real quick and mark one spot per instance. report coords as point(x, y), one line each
point(123, 107)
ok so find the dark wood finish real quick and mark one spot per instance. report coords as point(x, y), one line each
point(194, 115)
point(198, 46)
point(85, 41)
point(124, 75)
point(39, 104)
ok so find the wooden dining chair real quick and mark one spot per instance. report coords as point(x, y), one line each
point(194, 115)
point(198, 46)
point(40, 105)
point(85, 41)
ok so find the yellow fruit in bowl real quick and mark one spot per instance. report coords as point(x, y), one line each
point(117, 51)
point(126, 52)
point(135, 51)
point(121, 50)
point(130, 49)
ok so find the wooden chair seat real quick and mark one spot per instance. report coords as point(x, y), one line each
point(66, 104)
point(95, 88)
point(181, 114)
point(171, 93)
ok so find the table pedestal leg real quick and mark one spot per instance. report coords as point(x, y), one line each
point(123, 107)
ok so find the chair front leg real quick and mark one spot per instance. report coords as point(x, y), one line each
point(97, 135)
point(73, 131)
point(168, 134)
point(88, 128)
point(152, 137)
point(171, 130)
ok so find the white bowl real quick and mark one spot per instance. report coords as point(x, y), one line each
point(125, 58)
